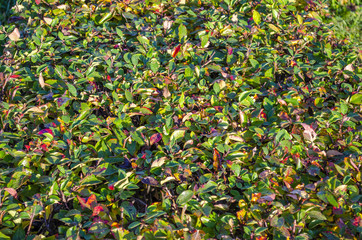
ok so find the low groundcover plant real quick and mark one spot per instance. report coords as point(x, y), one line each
point(177, 119)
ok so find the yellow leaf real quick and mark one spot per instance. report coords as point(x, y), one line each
point(273, 27)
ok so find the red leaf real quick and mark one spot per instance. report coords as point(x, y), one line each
point(111, 187)
point(83, 202)
point(12, 192)
point(41, 132)
point(37, 2)
point(97, 210)
point(155, 138)
point(230, 50)
point(177, 49)
point(14, 76)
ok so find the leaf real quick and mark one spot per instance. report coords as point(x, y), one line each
point(97, 210)
point(328, 50)
point(309, 134)
point(332, 200)
point(158, 162)
point(15, 35)
point(356, 99)
point(72, 90)
point(48, 20)
point(155, 138)
point(217, 159)
point(316, 215)
point(4, 237)
point(176, 50)
point(106, 17)
point(333, 153)
point(155, 65)
point(256, 17)
point(90, 180)
point(41, 80)
point(184, 197)
point(177, 135)
point(273, 27)
point(245, 94)
point(208, 187)
point(12, 192)
point(150, 181)
point(146, 111)
point(129, 96)
point(182, 32)
point(37, 2)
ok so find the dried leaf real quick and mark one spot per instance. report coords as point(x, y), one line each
point(149, 181)
point(12, 192)
point(48, 20)
point(333, 153)
point(41, 80)
point(166, 92)
point(309, 134)
point(158, 162)
point(15, 35)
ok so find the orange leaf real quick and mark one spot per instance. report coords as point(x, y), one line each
point(255, 197)
point(175, 52)
point(92, 201)
point(216, 158)
point(83, 202)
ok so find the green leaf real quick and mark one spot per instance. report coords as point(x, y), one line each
point(316, 215)
point(260, 230)
point(182, 100)
point(356, 99)
point(4, 237)
point(332, 200)
point(177, 135)
point(72, 90)
point(106, 17)
point(90, 180)
point(256, 17)
point(129, 96)
point(155, 65)
point(204, 40)
point(182, 32)
point(245, 94)
point(328, 50)
point(208, 187)
point(184, 197)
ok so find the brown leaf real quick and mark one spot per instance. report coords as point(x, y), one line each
point(149, 181)
point(333, 153)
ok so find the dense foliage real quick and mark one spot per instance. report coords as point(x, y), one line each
point(178, 119)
